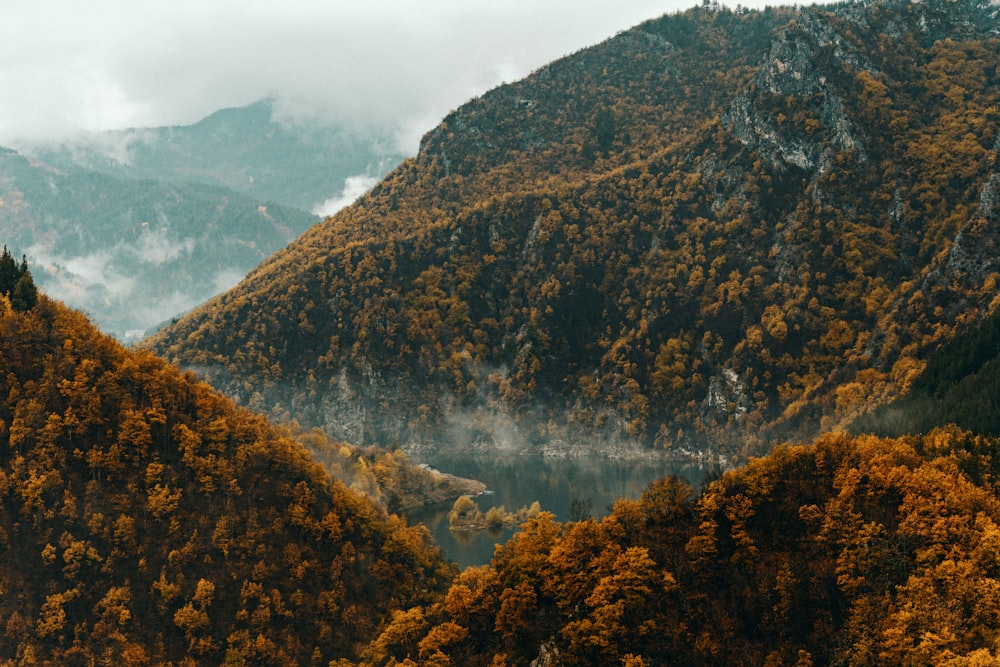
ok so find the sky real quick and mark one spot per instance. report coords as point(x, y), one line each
point(68, 66)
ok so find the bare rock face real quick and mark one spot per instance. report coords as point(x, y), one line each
point(799, 65)
point(975, 250)
point(989, 200)
point(727, 397)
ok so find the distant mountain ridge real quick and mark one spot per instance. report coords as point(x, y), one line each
point(137, 226)
point(296, 163)
point(710, 233)
point(133, 253)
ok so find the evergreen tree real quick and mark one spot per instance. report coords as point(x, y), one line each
point(25, 295)
point(9, 272)
point(604, 131)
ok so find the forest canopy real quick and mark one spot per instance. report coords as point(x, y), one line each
point(16, 282)
point(147, 520)
point(852, 550)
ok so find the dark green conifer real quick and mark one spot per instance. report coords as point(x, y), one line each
point(24, 295)
point(9, 272)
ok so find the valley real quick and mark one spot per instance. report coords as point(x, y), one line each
point(715, 301)
point(514, 481)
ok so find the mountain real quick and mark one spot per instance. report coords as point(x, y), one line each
point(133, 253)
point(713, 232)
point(257, 150)
point(147, 520)
point(136, 226)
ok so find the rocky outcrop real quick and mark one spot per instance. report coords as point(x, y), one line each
point(799, 65)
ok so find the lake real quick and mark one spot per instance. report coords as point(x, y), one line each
point(516, 481)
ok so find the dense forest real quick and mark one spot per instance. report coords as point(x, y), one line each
point(850, 551)
point(960, 384)
point(146, 520)
point(711, 233)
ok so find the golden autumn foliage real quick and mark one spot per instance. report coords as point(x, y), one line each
point(720, 229)
point(146, 520)
point(465, 515)
point(852, 550)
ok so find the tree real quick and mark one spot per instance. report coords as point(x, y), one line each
point(579, 509)
point(9, 272)
point(604, 130)
point(24, 297)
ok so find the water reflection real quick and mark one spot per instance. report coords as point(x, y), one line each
point(517, 481)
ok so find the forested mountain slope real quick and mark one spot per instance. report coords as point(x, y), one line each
point(959, 385)
point(130, 252)
point(850, 551)
point(711, 232)
point(146, 520)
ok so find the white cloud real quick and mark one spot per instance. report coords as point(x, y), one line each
point(226, 279)
point(68, 66)
point(155, 247)
point(73, 279)
point(354, 187)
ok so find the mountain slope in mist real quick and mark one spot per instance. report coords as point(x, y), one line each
point(709, 233)
point(129, 252)
point(301, 163)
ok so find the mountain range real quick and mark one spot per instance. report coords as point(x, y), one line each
point(145, 519)
point(261, 150)
point(137, 226)
point(711, 231)
point(708, 234)
point(134, 253)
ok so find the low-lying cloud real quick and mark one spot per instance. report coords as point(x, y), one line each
point(121, 287)
point(69, 67)
point(157, 248)
point(354, 187)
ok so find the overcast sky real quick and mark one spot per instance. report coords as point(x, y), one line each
point(71, 65)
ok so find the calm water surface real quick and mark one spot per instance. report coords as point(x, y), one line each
point(517, 481)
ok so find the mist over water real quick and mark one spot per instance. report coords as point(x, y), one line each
point(518, 480)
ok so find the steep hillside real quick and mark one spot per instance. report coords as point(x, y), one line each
point(959, 385)
point(851, 551)
point(712, 232)
point(146, 520)
point(299, 163)
point(133, 253)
